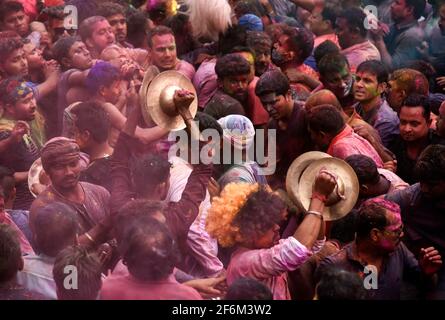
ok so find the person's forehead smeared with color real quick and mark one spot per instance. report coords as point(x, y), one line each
point(59, 150)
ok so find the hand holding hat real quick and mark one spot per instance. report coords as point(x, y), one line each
point(325, 183)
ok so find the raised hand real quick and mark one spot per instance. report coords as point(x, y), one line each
point(430, 260)
point(325, 183)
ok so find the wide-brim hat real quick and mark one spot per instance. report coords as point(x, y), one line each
point(157, 99)
point(301, 177)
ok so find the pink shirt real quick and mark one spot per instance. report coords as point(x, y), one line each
point(331, 37)
point(396, 182)
point(186, 69)
point(361, 52)
point(270, 265)
point(129, 288)
point(348, 143)
point(205, 82)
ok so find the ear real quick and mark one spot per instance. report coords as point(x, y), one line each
point(382, 87)
point(364, 188)
point(102, 90)
point(85, 135)
point(220, 83)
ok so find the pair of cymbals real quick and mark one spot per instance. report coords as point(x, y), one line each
point(301, 178)
point(156, 97)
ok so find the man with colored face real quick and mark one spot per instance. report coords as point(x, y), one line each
point(405, 35)
point(378, 246)
point(61, 161)
point(415, 135)
point(369, 86)
point(287, 117)
point(422, 207)
point(335, 75)
point(290, 51)
point(20, 137)
point(234, 75)
point(161, 41)
point(13, 18)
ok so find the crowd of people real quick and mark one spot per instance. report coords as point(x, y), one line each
point(88, 183)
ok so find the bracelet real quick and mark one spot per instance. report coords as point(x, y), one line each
point(320, 197)
point(315, 213)
point(89, 237)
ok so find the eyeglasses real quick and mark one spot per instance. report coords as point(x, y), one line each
point(396, 232)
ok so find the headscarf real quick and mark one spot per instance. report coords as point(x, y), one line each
point(57, 150)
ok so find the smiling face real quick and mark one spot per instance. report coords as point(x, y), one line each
point(413, 125)
point(24, 109)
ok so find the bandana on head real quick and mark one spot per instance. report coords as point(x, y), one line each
point(13, 89)
point(57, 150)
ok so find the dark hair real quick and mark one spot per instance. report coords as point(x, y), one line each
point(62, 47)
point(431, 164)
point(8, 45)
point(231, 65)
point(354, 19)
point(370, 216)
point(338, 284)
point(7, 181)
point(55, 227)
point(261, 211)
point(376, 68)
point(8, 7)
point(325, 118)
point(136, 28)
point(365, 168)
point(108, 9)
point(248, 289)
point(151, 252)
point(89, 276)
point(91, 117)
point(207, 122)
point(300, 39)
point(238, 49)
point(417, 100)
point(101, 74)
point(158, 31)
point(273, 81)
point(86, 28)
point(343, 229)
point(323, 49)
point(332, 63)
point(148, 171)
point(131, 213)
point(10, 253)
point(233, 37)
point(418, 7)
point(330, 13)
point(259, 42)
